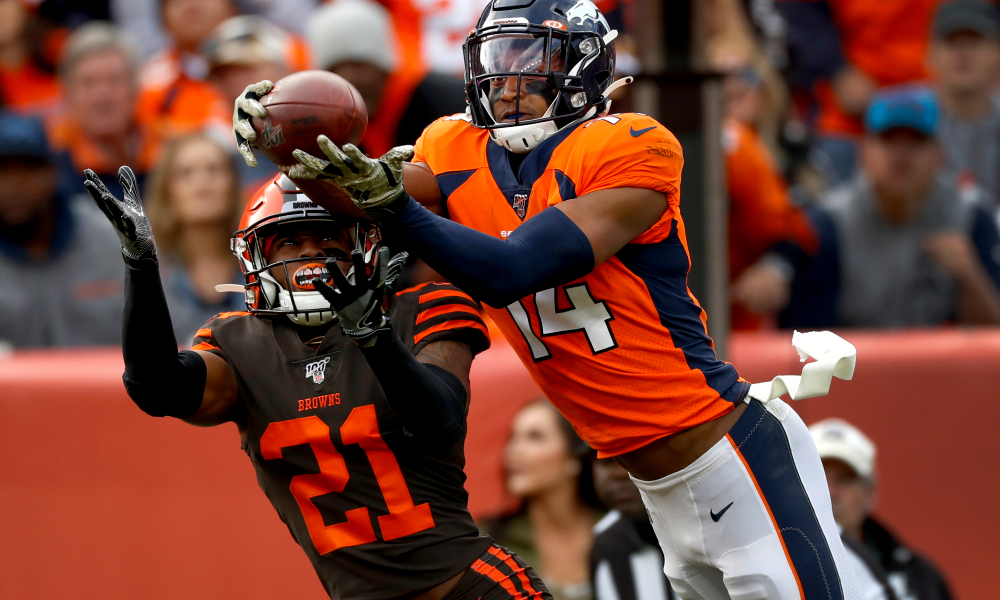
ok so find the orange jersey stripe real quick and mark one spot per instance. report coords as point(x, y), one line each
point(205, 346)
point(492, 572)
point(430, 313)
point(226, 315)
point(416, 288)
point(444, 294)
point(774, 522)
point(204, 332)
point(450, 325)
point(510, 562)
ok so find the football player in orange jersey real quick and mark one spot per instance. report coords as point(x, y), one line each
point(565, 222)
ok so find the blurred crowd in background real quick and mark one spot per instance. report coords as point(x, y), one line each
point(862, 158)
point(861, 141)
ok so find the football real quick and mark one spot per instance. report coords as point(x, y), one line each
point(302, 106)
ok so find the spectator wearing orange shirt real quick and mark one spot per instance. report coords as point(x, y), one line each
point(97, 128)
point(174, 97)
point(767, 233)
point(27, 82)
point(843, 51)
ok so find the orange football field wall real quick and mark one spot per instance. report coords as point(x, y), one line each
point(98, 500)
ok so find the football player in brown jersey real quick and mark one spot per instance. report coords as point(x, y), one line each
point(350, 398)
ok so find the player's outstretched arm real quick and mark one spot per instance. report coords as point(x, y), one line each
point(159, 379)
point(428, 393)
point(554, 247)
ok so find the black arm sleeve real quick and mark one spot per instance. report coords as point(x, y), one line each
point(430, 400)
point(160, 380)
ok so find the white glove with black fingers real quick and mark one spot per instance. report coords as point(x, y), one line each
point(373, 184)
point(248, 105)
point(358, 299)
point(127, 217)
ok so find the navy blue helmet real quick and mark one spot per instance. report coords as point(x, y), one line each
point(561, 49)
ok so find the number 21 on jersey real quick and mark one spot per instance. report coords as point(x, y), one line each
point(360, 428)
point(586, 315)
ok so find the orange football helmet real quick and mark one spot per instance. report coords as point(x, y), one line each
point(280, 203)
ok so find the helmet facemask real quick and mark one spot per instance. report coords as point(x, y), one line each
point(570, 69)
point(282, 286)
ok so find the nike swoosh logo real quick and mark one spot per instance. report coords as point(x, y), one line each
point(718, 515)
point(641, 131)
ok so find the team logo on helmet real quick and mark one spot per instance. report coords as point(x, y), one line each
point(271, 136)
point(583, 11)
point(316, 370)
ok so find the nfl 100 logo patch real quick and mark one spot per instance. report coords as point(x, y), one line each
point(520, 205)
point(316, 370)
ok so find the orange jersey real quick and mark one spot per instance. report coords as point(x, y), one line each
point(887, 39)
point(431, 33)
point(623, 352)
point(27, 89)
point(66, 136)
point(171, 103)
point(761, 214)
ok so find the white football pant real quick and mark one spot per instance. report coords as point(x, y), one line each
point(751, 518)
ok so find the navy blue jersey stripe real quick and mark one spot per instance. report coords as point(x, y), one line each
point(451, 181)
point(761, 439)
point(538, 159)
point(567, 189)
point(663, 267)
point(511, 184)
point(503, 175)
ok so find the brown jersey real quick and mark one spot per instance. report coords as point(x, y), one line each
point(379, 516)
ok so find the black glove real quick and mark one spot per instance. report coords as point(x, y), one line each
point(128, 218)
point(358, 300)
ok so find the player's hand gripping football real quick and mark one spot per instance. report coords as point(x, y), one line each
point(357, 299)
point(127, 216)
point(373, 184)
point(248, 105)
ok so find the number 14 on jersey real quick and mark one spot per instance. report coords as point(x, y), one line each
point(585, 314)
